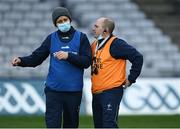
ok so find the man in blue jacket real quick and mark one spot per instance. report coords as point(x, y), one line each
point(70, 54)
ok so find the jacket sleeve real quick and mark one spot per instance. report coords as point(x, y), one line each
point(38, 56)
point(83, 59)
point(121, 50)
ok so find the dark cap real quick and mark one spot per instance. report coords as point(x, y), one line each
point(60, 11)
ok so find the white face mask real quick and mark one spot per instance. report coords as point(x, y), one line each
point(64, 27)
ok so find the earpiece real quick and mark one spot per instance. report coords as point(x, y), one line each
point(105, 30)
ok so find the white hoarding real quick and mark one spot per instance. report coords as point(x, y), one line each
point(147, 96)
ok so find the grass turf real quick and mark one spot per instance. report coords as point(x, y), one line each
point(164, 121)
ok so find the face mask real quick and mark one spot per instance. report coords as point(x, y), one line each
point(64, 27)
point(99, 37)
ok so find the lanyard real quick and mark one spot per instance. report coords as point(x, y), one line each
point(100, 45)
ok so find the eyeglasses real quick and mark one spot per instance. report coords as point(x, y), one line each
point(94, 69)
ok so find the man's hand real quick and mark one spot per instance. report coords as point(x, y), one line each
point(127, 84)
point(61, 55)
point(16, 61)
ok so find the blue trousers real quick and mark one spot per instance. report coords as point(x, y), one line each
point(106, 107)
point(62, 106)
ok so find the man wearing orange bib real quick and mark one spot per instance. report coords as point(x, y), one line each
point(108, 72)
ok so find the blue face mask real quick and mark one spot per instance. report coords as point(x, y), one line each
point(64, 27)
point(99, 37)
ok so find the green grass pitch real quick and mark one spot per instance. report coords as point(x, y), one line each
point(161, 121)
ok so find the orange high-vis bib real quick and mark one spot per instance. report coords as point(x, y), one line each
point(110, 72)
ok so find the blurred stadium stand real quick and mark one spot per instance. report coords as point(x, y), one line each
point(149, 25)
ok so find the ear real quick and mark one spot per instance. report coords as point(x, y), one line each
point(105, 31)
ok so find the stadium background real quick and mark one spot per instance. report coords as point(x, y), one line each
point(152, 26)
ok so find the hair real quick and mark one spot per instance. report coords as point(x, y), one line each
point(109, 25)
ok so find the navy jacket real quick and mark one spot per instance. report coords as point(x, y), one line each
point(83, 60)
point(119, 49)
